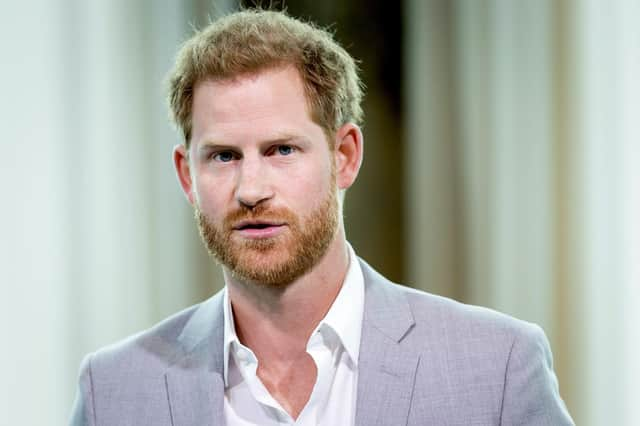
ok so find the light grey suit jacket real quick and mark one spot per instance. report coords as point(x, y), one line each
point(424, 360)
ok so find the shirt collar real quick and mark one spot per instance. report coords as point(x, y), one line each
point(344, 316)
point(230, 335)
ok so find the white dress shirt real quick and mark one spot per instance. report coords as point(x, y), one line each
point(334, 346)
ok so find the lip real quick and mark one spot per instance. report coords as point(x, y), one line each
point(243, 223)
point(269, 229)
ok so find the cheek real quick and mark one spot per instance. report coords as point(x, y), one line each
point(210, 195)
point(309, 187)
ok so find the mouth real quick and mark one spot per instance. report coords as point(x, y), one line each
point(258, 228)
point(255, 224)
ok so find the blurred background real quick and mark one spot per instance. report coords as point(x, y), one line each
point(502, 141)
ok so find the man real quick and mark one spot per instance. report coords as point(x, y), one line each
point(304, 332)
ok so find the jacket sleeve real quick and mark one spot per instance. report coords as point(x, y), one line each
point(82, 413)
point(531, 395)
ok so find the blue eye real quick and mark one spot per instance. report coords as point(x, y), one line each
point(285, 149)
point(224, 156)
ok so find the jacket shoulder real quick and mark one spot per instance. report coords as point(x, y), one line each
point(153, 348)
point(464, 319)
point(113, 379)
point(494, 365)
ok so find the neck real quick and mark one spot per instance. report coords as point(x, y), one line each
point(276, 323)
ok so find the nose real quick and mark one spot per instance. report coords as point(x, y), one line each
point(252, 187)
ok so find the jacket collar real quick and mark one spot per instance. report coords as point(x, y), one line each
point(386, 307)
point(387, 368)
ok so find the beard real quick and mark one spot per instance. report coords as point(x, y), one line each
point(275, 261)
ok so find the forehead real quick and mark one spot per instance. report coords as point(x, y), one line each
point(268, 101)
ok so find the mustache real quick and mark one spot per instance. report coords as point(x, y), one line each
point(259, 212)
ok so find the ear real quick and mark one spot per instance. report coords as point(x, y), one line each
point(183, 171)
point(348, 154)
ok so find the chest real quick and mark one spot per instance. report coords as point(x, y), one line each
point(320, 389)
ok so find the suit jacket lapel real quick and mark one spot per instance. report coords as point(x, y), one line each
point(195, 398)
point(195, 385)
point(386, 368)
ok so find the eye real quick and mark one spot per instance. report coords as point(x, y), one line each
point(224, 156)
point(285, 149)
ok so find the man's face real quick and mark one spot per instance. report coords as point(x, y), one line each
point(263, 177)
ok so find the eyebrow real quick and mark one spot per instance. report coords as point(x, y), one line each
point(284, 138)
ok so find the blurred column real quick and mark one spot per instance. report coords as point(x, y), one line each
point(34, 244)
point(504, 55)
point(479, 160)
point(434, 229)
point(607, 104)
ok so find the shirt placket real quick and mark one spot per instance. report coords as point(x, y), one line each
point(320, 349)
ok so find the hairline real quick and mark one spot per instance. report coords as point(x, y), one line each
point(270, 66)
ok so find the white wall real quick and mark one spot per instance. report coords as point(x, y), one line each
point(33, 309)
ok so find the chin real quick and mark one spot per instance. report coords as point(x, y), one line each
point(273, 268)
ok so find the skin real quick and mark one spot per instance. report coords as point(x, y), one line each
point(240, 154)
